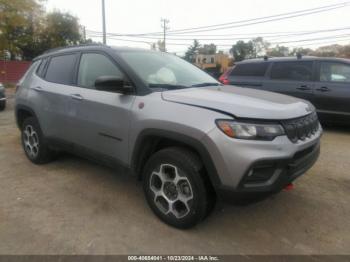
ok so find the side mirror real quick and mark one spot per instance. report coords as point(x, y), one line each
point(112, 84)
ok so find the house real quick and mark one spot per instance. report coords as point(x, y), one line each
point(218, 61)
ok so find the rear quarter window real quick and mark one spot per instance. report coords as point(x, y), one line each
point(41, 68)
point(250, 69)
point(61, 69)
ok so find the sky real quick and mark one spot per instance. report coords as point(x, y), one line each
point(143, 16)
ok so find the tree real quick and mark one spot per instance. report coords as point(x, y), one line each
point(192, 51)
point(259, 47)
point(18, 23)
point(242, 50)
point(26, 31)
point(278, 51)
point(207, 49)
point(62, 29)
point(301, 51)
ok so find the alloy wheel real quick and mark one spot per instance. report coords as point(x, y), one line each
point(31, 141)
point(172, 192)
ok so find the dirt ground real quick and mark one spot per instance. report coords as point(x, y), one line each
point(72, 206)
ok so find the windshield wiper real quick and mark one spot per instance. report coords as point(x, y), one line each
point(206, 84)
point(167, 86)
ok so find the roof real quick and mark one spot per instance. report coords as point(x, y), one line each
point(294, 58)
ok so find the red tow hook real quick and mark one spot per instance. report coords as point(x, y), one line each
point(289, 187)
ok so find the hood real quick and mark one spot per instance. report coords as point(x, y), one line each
point(242, 102)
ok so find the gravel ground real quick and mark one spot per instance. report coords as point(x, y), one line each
point(72, 206)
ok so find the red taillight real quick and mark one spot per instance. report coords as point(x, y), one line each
point(223, 79)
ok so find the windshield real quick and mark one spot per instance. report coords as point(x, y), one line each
point(162, 70)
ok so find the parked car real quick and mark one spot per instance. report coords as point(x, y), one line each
point(325, 82)
point(185, 135)
point(2, 97)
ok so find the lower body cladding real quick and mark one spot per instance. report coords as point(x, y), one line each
point(247, 166)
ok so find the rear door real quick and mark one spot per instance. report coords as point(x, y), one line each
point(56, 76)
point(250, 75)
point(100, 119)
point(294, 78)
point(332, 91)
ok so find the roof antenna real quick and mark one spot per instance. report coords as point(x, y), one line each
point(299, 55)
point(266, 58)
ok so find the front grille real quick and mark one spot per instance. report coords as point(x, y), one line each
point(301, 128)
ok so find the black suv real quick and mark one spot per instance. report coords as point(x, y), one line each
point(325, 82)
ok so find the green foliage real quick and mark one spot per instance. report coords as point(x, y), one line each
point(207, 49)
point(254, 48)
point(242, 50)
point(278, 51)
point(192, 51)
point(27, 31)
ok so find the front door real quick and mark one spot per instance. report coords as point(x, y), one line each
point(100, 119)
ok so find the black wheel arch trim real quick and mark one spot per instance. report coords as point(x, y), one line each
point(26, 108)
point(143, 144)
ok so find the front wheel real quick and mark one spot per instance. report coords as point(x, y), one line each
point(175, 188)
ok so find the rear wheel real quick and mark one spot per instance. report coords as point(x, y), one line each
point(34, 143)
point(175, 188)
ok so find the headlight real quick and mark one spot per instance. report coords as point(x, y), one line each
point(242, 130)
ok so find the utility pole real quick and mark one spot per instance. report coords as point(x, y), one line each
point(165, 28)
point(104, 22)
point(84, 33)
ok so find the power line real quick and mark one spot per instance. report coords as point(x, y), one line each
point(249, 22)
point(244, 38)
point(288, 15)
point(326, 42)
point(312, 39)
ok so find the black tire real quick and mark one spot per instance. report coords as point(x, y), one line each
point(194, 197)
point(42, 152)
point(2, 105)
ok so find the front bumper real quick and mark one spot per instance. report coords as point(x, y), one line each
point(259, 166)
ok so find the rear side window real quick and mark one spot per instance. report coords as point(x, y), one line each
point(61, 69)
point(93, 66)
point(297, 71)
point(41, 69)
point(250, 69)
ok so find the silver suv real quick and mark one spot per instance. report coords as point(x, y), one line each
point(189, 138)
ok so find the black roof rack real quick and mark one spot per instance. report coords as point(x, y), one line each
point(72, 46)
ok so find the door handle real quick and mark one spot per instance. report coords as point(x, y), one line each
point(323, 89)
point(37, 88)
point(76, 97)
point(304, 88)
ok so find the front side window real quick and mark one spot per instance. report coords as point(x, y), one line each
point(250, 69)
point(295, 71)
point(93, 66)
point(61, 69)
point(334, 72)
point(158, 69)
